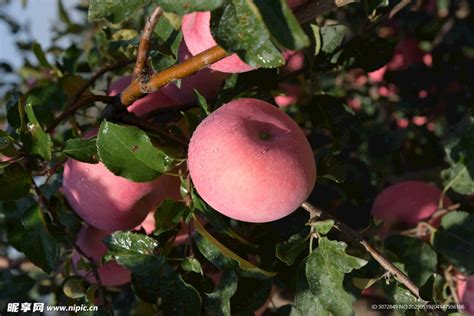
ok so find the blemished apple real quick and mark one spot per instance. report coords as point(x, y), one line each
point(251, 162)
point(89, 239)
point(196, 28)
point(206, 81)
point(465, 292)
point(107, 201)
point(407, 202)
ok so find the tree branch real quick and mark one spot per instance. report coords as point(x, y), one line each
point(131, 119)
point(141, 70)
point(94, 78)
point(309, 11)
point(78, 105)
point(355, 235)
point(179, 71)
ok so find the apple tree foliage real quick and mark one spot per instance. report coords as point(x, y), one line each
point(414, 123)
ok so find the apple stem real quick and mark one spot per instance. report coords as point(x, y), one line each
point(353, 234)
point(142, 70)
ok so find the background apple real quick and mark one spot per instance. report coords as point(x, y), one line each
point(465, 292)
point(251, 162)
point(198, 37)
point(107, 201)
point(89, 239)
point(407, 202)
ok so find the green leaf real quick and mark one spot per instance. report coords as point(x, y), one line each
point(419, 258)
point(37, 243)
point(128, 152)
point(455, 240)
point(115, 11)
point(217, 303)
point(216, 219)
point(202, 103)
point(136, 252)
point(39, 53)
point(368, 52)
point(168, 215)
point(282, 24)
point(84, 150)
point(458, 177)
point(187, 6)
point(320, 289)
point(323, 227)
point(289, 251)
point(178, 297)
point(317, 39)
point(331, 37)
point(34, 138)
point(15, 182)
point(239, 27)
point(251, 294)
point(74, 287)
point(6, 145)
point(191, 264)
point(223, 257)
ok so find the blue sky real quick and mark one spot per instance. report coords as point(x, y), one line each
point(40, 15)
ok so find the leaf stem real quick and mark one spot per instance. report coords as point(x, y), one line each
point(355, 235)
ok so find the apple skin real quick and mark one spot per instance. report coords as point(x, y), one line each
point(251, 162)
point(198, 37)
point(407, 202)
point(89, 239)
point(207, 81)
point(465, 292)
point(107, 201)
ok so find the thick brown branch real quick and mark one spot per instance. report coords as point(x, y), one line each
point(141, 67)
point(179, 71)
point(356, 236)
point(78, 105)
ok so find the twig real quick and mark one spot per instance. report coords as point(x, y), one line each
point(179, 71)
point(169, 109)
point(94, 78)
point(44, 202)
point(355, 235)
point(79, 104)
point(141, 69)
point(131, 119)
point(309, 11)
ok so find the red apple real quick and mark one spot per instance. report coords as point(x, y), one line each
point(407, 202)
point(90, 240)
point(465, 292)
point(251, 162)
point(107, 201)
point(197, 34)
